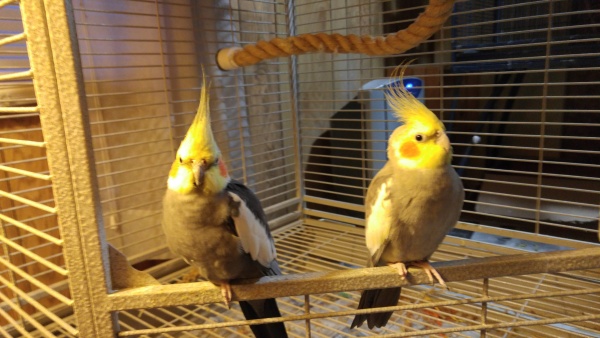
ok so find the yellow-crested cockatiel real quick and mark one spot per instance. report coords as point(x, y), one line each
point(217, 224)
point(412, 203)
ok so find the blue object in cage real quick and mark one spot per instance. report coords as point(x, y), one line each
point(380, 119)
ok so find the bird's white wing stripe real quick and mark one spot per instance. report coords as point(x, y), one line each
point(379, 220)
point(253, 235)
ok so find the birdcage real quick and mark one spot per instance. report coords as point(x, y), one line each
point(95, 97)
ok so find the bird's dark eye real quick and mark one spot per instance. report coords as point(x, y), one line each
point(180, 160)
point(419, 137)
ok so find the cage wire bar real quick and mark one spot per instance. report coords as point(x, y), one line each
point(100, 88)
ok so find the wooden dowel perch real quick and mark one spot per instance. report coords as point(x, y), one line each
point(427, 24)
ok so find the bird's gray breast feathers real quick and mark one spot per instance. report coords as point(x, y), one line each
point(221, 235)
point(409, 213)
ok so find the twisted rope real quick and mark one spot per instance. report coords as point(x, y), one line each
point(428, 23)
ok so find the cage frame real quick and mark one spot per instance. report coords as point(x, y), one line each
point(59, 86)
point(63, 112)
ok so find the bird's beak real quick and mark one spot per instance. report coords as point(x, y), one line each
point(198, 169)
point(443, 141)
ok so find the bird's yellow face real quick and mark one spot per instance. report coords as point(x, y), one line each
point(205, 175)
point(416, 145)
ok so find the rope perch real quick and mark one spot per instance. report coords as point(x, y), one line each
point(427, 24)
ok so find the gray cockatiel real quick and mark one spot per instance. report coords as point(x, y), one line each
point(412, 203)
point(216, 224)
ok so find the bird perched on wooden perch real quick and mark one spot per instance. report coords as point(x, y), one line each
point(412, 203)
point(217, 224)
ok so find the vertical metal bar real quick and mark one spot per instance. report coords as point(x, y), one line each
point(307, 312)
point(364, 134)
point(538, 197)
point(484, 306)
point(54, 58)
point(295, 111)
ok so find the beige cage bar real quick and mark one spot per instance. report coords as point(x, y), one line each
point(96, 95)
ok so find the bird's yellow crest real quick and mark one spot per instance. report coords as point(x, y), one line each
point(406, 107)
point(199, 141)
point(199, 146)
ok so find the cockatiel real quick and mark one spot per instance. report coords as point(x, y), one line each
point(217, 224)
point(412, 203)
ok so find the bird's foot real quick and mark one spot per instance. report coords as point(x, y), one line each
point(430, 271)
point(401, 268)
point(226, 292)
point(191, 276)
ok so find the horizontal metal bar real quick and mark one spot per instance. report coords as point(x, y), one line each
point(28, 202)
point(334, 203)
point(31, 230)
point(137, 206)
point(525, 236)
point(23, 142)
point(285, 219)
point(12, 38)
point(356, 279)
point(27, 160)
point(22, 130)
point(26, 173)
point(520, 323)
point(281, 205)
point(4, 3)
point(25, 315)
point(36, 282)
point(525, 296)
point(333, 216)
point(19, 110)
point(34, 256)
point(121, 146)
point(41, 308)
point(13, 324)
point(137, 156)
point(23, 206)
point(4, 332)
point(17, 76)
point(132, 195)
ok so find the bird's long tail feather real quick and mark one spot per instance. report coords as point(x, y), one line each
point(373, 299)
point(264, 308)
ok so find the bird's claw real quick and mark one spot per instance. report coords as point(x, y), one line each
point(226, 293)
point(191, 276)
point(431, 272)
point(401, 268)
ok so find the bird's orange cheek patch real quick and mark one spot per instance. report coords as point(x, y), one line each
point(409, 150)
point(222, 168)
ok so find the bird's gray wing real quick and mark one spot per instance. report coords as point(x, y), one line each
point(379, 216)
point(251, 225)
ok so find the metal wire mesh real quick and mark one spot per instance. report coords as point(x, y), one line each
point(142, 76)
point(516, 306)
